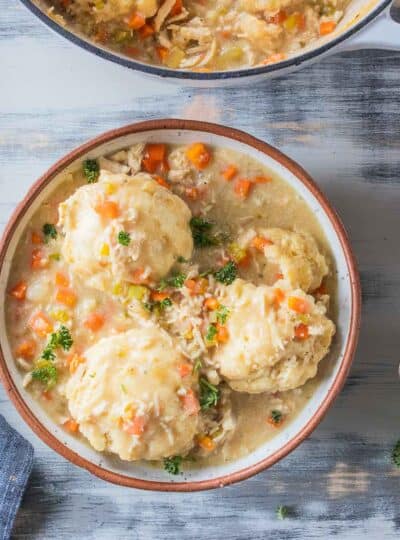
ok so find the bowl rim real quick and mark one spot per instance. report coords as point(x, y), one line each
point(350, 346)
point(175, 74)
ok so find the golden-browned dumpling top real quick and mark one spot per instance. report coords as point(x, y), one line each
point(277, 336)
point(293, 255)
point(129, 396)
point(124, 228)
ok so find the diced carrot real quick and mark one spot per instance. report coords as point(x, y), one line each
point(71, 425)
point(160, 180)
point(185, 369)
point(61, 280)
point(190, 284)
point(19, 290)
point(47, 395)
point(301, 331)
point(274, 422)
point(300, 21)
point(199, 155)
point(190, 402)
point(108, 209)
point(73, 360)
point(326, 27)
point(279, 296)
point(222, 333)
point(157, 296)
point(177, 8)
point(211, 303)
point(162, 53)
point(274, 58)
point(40, 324)
point(278, 18)
point(153, 157)
point(225, 34)
point(261, 179)
point(245, 261)
point(36, 238)
point(242, 188)
point(260, 243)
point(139, 277)
point(94, 321)
point(192, 193)
point(230, 172)
point(146, 31)
point(198, 286)
point(26, 349)
point(39, 260)
point(131, 51)
point(136, 426)
point(298, 304)
point(136, 21)
point(206, 443)
point(66, 296)
point(278, 276)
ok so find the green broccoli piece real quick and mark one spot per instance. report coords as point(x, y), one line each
point(45, 372)
point(173, 464)
point(227, 274)
point(209, 394)
point(49, 231)
point(124, 238)
point(201, 232)
point(91, 170)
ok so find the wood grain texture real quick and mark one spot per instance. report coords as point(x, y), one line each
point(340, 119)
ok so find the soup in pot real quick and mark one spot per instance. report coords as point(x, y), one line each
point(202, 35)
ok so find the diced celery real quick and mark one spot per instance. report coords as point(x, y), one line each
point(174, 58)
point(230, 56)
point(236, 252)
point(137, 292)
point(105, 250)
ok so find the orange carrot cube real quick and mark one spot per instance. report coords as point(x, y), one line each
point(198, 155)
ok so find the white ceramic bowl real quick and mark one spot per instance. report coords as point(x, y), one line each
point(148, 477)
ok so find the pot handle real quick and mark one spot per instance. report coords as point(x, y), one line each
point(382, 33)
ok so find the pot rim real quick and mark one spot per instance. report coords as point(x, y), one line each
point(306, 180)
point(198, 76)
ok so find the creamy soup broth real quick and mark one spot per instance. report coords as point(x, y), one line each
point(233, 192)
point(203, 35)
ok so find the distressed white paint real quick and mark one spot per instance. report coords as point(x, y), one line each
point(340, 120)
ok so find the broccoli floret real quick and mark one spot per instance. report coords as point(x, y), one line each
point(49, 231)
point(46, 373)
point(227, 274)
point(175, 281)
point(124, 238)
point(201, 232)
point(91, 170)
point(173, 464)
point(209, 394)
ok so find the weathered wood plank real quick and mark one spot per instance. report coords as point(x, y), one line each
point(340, 119)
